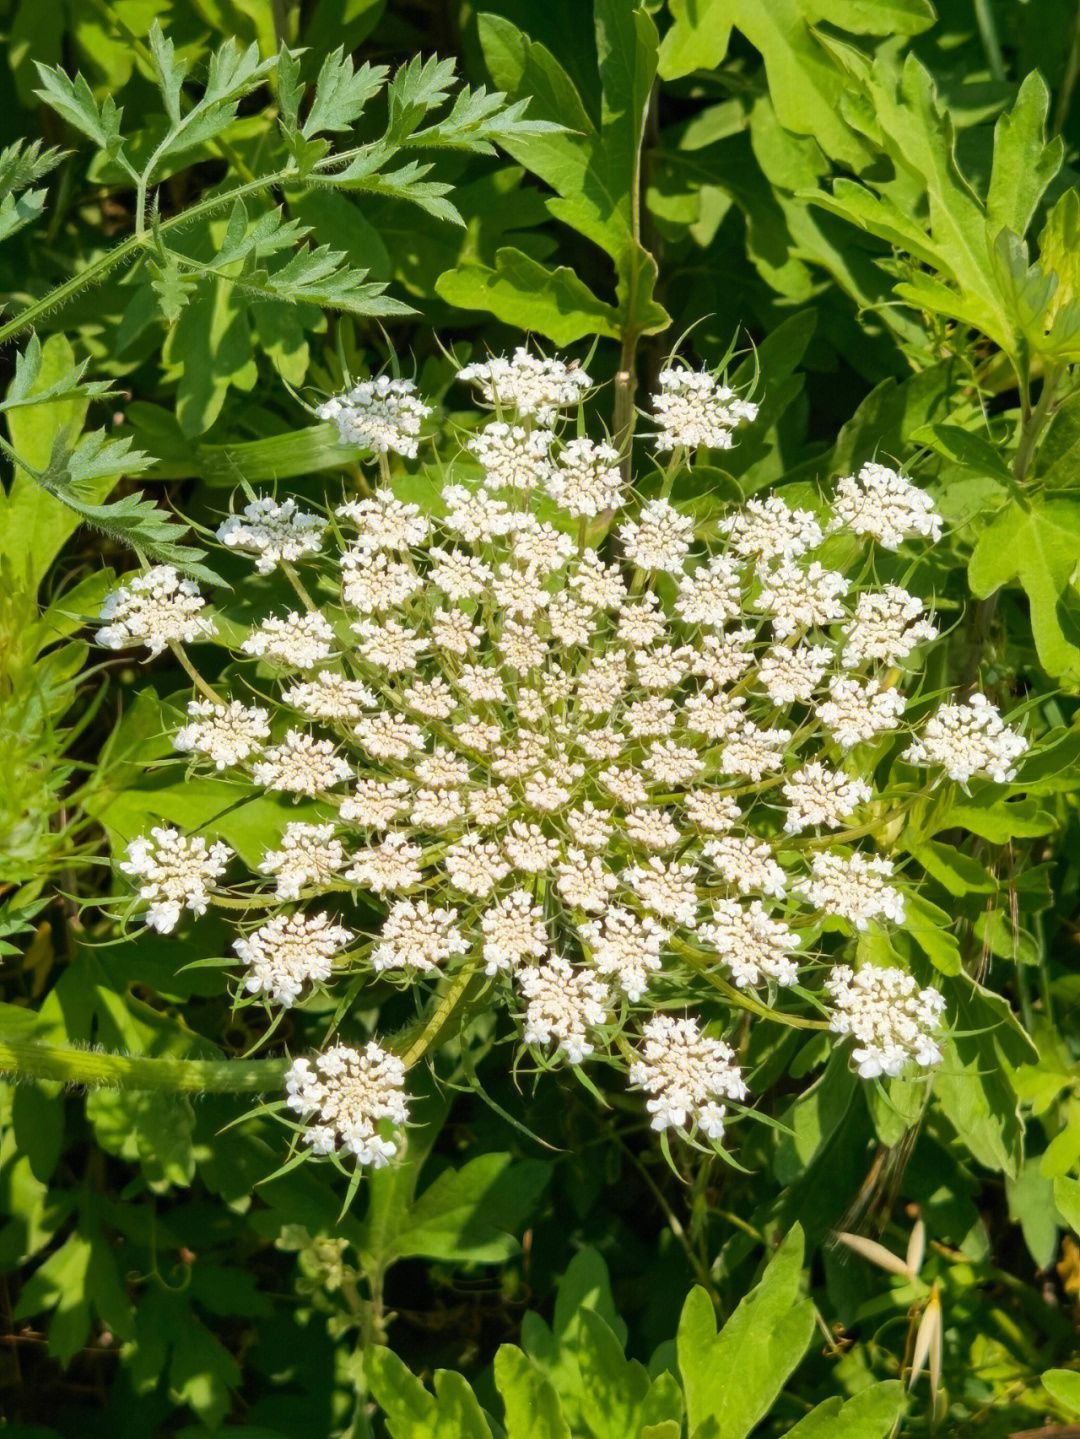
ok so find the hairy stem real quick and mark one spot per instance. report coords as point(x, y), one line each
point(31, 1059)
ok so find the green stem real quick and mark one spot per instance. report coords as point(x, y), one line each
point(31, 1059)
point(700, 963)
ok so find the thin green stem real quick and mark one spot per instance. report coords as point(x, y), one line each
point(193, 674)
point(700, 962)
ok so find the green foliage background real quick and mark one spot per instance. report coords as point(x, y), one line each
point(878, 195)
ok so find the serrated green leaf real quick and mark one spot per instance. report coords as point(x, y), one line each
point(74, 100)
point(341, 94)
point(697, 38)
point(1040, 547)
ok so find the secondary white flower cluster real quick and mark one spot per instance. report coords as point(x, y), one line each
point(380, 415)
point(969, 739)
point(892, 1020)
point(174, 872)
point(343, 1094)
point(153, 609)
point(591, 779)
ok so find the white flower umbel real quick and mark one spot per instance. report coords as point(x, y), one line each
point(817, 795)
point(770, 530)
point(888, 624)
point(885, 505)
point(330, 696)
point(514, 931)
point(273, 532)
point(625, 948)
point(512, 457)
point(892, 1020)
point(387, 866)
point(309, 855)
point(374, 582)
point(289, 952)
point(747, 865)
point(298, 641)
point(225, 733)
point(153, 609)
point(668, 890)
point(343, 1095)
point(528, 384)
point(694, 410)
point(659, 539)
point(752, 944)
point(587, 479)
point(563, 1005)
point(853, 887)
point(969, 739)
point(174, 872)
point(379, 415)
point(302, 765)
point(418, 937)
point(385, 523)
point(686, 1075)
point(855, 712)
point(800, 599)
point(629, 758)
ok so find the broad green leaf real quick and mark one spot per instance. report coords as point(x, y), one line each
point(410, 1412)
point(972, 1084)
point(805, 84)
point(725, 1396)
point(1067, 1200)
point(930, 927)
point(522, 292)
point(532, 1406)
point(208, 350)
point(34, 524)
point(468, 1214)
point(872, 17)
point(963, 447)
point(1031, 1205)
point(1024, 164)
point(697, 38)
point(1040, 547)
point(1064, 1386)
point(613, 1388)
point(870, 1414)
point(814, 1117)
point(594, 170)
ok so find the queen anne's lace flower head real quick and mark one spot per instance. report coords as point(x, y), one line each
point(586, 782)
point(892, 1020)
point(884, 505)
point(298, 641)
point(686, 1075)
point(225, 733)
point(563, 1005)
point(696, 411)
point(153, 609)
point(309, 855)
point(380, 415)
point(969, 739)
point(531, 385)
point(343, 1095)
point(273, 532)
point(853, 887)
point(289, 952)
point(174, 872)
